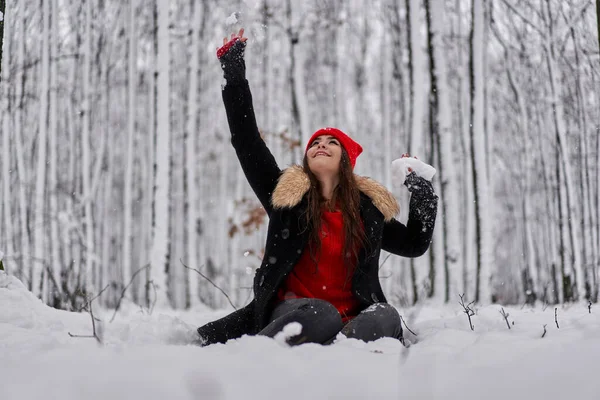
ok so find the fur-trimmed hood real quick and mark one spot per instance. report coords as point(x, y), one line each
point(294, 183)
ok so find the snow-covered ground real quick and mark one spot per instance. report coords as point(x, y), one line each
point(152, 357)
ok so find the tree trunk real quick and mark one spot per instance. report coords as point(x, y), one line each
point(162, 175)
point(296, 84)
point(478, 154)
point(573, 274)
point(86, 161)
point(442, 130)
point(2, 16)
point(7, 230)
point(55, 264)
point(40, 186)
point(131, 126)
point(23, 176)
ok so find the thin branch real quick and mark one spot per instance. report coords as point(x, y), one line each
point(556, 317)
point(211, 282)
point(125, 289)
point(93, 298)
point(544, 334)
point(523, 18)
point(505, 315)
point(589, 302)
point(467, 309)
point(94, 334)
point(402, 319)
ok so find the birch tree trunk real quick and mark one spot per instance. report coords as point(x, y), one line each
point(190, 146)
point(131, 119)
point(296, 83)
point(162, 157)
point(23, 176)
point(7, 227)
point(55, 264)
point(573, 279)
point(478, 155)
point(443, 134)
point(2, 14)
point(416, 140)
point(40, 186)
point(85, 152)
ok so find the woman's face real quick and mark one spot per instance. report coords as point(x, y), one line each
point(324, 155)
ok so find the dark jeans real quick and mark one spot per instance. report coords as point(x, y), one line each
point(321, 322)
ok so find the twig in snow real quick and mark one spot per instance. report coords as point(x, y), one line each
point(211, 282)
point(556, 317)
point(125, 289)
point(93, 298)
point(467, 309)
point(151, 282)
point(545, 305)
point(402, 319)
point(544, 334)
point(94, 334)
point(505, 315)
point(589, 306)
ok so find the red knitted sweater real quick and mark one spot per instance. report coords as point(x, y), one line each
point(331, 278)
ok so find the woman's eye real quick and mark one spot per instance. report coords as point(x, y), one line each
point(316, 142)
point(334, 142)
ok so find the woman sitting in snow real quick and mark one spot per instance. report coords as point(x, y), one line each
point(327, 227)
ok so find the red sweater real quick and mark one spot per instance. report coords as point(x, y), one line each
point(331, 278)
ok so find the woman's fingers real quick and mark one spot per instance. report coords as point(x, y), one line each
point(224, 40)
point(241, 33)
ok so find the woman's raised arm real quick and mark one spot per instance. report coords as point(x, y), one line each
point(257, 162)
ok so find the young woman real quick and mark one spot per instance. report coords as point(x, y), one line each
point(327, 227)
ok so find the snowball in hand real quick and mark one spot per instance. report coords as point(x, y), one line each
point(400, 168)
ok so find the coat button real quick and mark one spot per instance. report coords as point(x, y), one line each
point(262, 280)
point(374, 298)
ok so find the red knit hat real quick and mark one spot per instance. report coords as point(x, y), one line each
point(352, 148)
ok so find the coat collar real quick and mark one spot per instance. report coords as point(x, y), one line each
point(294, 183)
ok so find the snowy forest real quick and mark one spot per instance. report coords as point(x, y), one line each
point(117, 175)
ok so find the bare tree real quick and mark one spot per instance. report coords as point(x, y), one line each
point(131, 129)
point(40, 186)
point(478, 153)
point(442, 131)
point(162, 177)
point(5, 156)
point(2, 14)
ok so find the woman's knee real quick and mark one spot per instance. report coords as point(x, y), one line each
point(323, 311)
point(378, 320)
point(383, 310)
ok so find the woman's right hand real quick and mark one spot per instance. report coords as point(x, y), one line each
point(231, 55)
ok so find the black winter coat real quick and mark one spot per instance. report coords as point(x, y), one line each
point(282, 194)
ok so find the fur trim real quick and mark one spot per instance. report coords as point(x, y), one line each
point(294, 183)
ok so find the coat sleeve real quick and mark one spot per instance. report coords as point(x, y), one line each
point(412, 239)
point(257, 162)
point(232, 326)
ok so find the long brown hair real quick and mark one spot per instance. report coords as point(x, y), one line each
point(347, 196)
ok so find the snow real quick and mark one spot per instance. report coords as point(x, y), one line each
point(404, 165)
point(153, 356)
point(1, 16)
point(232, 19)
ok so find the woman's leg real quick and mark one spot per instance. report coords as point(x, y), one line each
point(320, 320)
point(377, 321)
